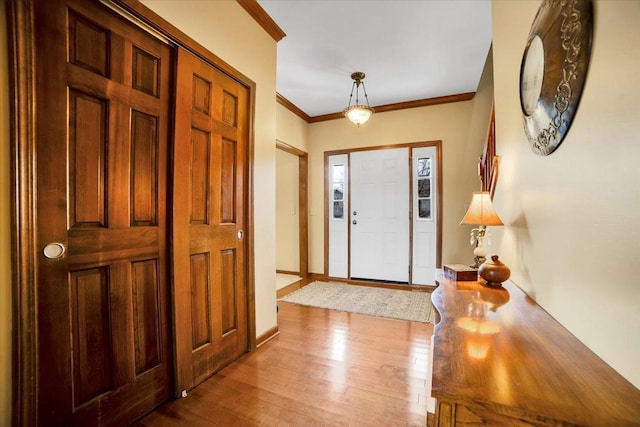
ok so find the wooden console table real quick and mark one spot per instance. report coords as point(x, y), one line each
point(500, 359)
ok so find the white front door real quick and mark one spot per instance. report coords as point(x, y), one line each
point(379, 215)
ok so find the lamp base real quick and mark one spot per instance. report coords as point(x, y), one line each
point(479, 252)
point(478, 261)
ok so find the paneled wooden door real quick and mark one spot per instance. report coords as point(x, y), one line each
point(211, 138)
point(103, 110)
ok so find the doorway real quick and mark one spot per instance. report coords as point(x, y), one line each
point(292, 242)
point(383, 213)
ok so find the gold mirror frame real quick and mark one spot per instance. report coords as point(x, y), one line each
point(550, 91)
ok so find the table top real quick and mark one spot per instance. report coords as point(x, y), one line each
point(496, 348)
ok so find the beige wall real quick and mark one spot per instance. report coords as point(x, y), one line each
point(291, 129)
point(5, 230)
point(227, 30)
point(287, 215)
point(572, 236)
point(448, 123)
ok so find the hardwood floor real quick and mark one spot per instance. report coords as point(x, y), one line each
point(326, 368)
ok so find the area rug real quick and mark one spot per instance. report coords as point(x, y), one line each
point(381, 302)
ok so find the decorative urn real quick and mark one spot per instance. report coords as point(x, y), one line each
point(494, 271)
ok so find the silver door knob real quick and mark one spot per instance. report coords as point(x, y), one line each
point(54, 250)
point(240, 234)
point(355, 213)
point(354, 222)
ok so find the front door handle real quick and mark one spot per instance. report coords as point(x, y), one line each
point(240, 234)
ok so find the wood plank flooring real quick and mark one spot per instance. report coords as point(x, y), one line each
point(326, 368)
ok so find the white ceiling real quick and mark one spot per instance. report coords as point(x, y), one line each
point(408, 50)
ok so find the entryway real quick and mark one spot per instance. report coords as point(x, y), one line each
point(383, 213)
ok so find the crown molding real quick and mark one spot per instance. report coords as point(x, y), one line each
point(292, 107)
point(379, 108)
point(262, 17)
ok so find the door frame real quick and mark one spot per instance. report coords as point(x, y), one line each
point(411, 145)
point(303, 205)
point(20, 22)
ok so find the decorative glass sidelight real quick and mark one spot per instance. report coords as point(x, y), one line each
point(423, 173)
point(337, 193)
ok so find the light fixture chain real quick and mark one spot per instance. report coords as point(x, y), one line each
point(365, 94)
point(351, 96)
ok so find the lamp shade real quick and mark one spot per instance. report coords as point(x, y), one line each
point(481, 211)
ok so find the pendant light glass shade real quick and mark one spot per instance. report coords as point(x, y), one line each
point(358, 113)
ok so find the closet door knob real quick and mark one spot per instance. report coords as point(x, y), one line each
point(54, 250)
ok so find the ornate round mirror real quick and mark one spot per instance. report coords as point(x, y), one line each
point(553, 71)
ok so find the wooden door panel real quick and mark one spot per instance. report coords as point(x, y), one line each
point(210, 264)
point(199, 185)
point(228, 182)
point(229, 108)
point(88, 44)
point(87, 157)
point(90, 321)
point(144, 169)
point(200, 301)
point(146, 315)
point(103, 314)
point(121, 323)
point(145, 72)
point(228, 291)
point(201, 99)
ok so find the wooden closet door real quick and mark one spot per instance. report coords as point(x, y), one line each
point(210, 170)
point(103, 99)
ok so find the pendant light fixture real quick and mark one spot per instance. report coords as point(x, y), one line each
point(357, 113)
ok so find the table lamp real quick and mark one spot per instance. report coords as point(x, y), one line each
point(482, 214)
